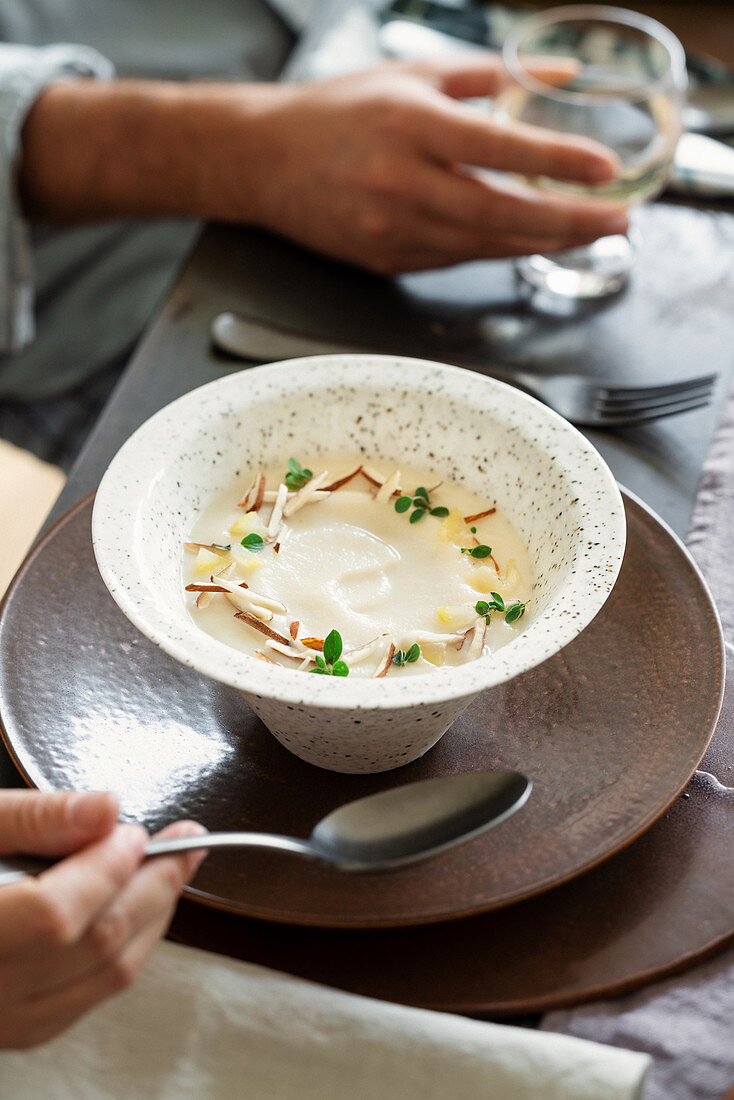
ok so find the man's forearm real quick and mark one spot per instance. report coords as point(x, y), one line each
point(93, 150)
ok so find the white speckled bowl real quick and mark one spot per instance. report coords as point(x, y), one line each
point(541, 472)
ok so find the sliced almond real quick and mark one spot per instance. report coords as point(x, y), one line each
point(293, 629)
point(480, 515)
point(477, 642)
point(421, 636)
point(305, 495)
point(313, 643)
point(382, 668)
point(386, 491)
point(361, 653)
point(253, 498)
point(264, 657)
point(276, 548)
point(287, 651)
point(277, 516)
point(251, 597)
point(246, 617)
point(372, 475)
point(343, 479)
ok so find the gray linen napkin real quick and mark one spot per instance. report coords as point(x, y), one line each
point(687, 1022)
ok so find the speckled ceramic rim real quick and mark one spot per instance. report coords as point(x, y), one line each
point(121, 500)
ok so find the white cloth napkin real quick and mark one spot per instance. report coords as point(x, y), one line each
point(197, 1025)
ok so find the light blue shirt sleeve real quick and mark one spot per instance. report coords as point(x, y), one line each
point(24, 72)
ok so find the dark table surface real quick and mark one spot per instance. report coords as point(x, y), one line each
point(675, 319)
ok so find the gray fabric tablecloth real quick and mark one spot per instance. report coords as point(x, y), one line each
point(687, 1022)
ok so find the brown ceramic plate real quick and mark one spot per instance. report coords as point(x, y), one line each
point(609, 731)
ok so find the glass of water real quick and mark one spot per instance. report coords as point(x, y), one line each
point(628, 93)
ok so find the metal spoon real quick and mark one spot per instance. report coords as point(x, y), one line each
point(384, 830)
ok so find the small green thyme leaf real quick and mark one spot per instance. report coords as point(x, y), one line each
point(441, 511)
point(514, 612)
point(413, 653)
point(419, 513)
point(421, 491)
point(297, 475)
point(498, 601)
point(321, 663)
point(340, 669)
point(254, 543)
point(402, 504)
point(332, 647)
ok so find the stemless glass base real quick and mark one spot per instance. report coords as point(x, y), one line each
point(593, 271)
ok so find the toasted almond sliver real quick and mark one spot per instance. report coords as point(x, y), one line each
point(313, 643)
point(343, 479)
point(264, 657)
point(372, 475)
point(246, 617)
point(286, 650)
point(361, 653)
point(477, 641)
point(421, 636)
point(480, 515)
point(382, 669)
point(305, 495)
point(293, 629)
point(386, 491)
point(277, 516)
point(253, 498)
point(251, 597)
point(260, 613)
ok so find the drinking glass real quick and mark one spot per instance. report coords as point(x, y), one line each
point(628, 94)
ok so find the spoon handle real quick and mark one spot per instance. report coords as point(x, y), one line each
point(15, 868)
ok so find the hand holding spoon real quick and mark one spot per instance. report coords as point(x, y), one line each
point(385, 830)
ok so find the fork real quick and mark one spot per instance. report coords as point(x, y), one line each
point(586, 401)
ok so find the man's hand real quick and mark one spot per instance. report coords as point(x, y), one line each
point(82, 930)
point(376, 168)
point(386, 168)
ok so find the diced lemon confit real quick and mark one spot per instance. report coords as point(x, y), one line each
point(511, 575)
point(247, 562)
point(434, 653)
point(207, 562)
point(453, 528)
point(247, 524)
point(455, 616)
point(484, 579)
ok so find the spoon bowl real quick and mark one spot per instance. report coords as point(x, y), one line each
point(378, 833)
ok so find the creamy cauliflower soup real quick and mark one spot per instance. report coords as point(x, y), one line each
point(338, 568)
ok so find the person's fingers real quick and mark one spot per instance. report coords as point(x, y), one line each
point(487, 204)
point(51, 824)
point(55, 907)
point(483, 74)
point(465, 136)
point(474, 81)
point(143, 907)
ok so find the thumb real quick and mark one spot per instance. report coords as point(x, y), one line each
point(54, 824)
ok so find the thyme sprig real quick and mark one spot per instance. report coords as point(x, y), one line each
point(421, 505)
point(512, 612)
point(407, 656)
point(297, 475)
point(481, 551)
point(329, 664)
